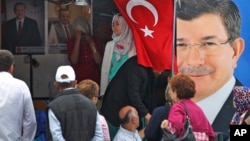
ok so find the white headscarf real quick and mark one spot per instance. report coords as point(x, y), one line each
point(124, 42)
point(82, 24)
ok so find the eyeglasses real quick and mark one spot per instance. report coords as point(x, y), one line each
point(206, 48)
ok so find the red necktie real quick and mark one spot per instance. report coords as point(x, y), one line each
point(19, 27)
point(67, 32)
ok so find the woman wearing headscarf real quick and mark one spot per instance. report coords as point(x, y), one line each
point(85, 52)
point(117, 51)
point(241, 102)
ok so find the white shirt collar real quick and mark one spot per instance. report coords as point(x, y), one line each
point(17, 20)
point(216, 100)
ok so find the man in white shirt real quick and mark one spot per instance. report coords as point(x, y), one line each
point(18, 120)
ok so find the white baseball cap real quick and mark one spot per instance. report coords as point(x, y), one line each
point(65, 74)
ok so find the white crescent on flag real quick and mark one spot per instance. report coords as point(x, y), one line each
point(150, 7)
point(151, 22)
point(144, 3)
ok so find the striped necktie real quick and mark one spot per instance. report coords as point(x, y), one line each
point(67, 32)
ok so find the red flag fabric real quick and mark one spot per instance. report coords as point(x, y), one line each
point(151, 22)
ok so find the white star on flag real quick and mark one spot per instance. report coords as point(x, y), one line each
point(147, 32)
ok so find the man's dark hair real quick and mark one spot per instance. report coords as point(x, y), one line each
point(65, 85)
point(6, 60)
point(17, 4)
point(62, 10)
point(226, 9)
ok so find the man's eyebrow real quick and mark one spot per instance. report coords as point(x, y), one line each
point(180, 39)
point(203, 38)
point(209, 37)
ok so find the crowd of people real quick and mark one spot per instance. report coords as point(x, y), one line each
point(128, 91)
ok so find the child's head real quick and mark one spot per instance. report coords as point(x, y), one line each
point(241, 98)
point(89, 88)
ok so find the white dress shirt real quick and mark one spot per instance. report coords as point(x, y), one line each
point(216, 100)
point(17, 119)
point(125, 135)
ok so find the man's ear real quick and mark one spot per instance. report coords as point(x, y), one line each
point(74, 83)
point(238, 47)
point(133, 120)
point(11, 69)
point(56, 85)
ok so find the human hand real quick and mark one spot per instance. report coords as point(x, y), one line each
point(89, 39)
point(141, 133)
point(247, 120)
point(147, 117)
point(164, 124)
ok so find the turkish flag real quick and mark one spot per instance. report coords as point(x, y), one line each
point(151, 22)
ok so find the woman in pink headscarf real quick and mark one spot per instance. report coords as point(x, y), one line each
point(116, 51)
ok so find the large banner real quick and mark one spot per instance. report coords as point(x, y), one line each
point(243, 68)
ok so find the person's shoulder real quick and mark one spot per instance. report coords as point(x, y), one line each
point(162, 108)
point(19, 82)
point(119, 136)
point(30, 19)
point(131, 63)
point(179, 106)
point(101, 117)
point(11, 20)
point(109, 44)
point(57, 23)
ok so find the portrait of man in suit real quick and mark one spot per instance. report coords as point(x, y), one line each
point(61, 30)
point(60, 25)
point(208, 46)
point(21, 31)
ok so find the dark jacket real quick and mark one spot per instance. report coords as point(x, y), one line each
point(153, 131)
point(224, 117)
point(29, 35)
point(132, 85)
point(76, 114)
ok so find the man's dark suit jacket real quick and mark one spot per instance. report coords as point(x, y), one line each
point(132, 85)
point(29, 35)
point(153, 131)
point(224, 117)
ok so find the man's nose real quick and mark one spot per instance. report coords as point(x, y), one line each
point(195, 57)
